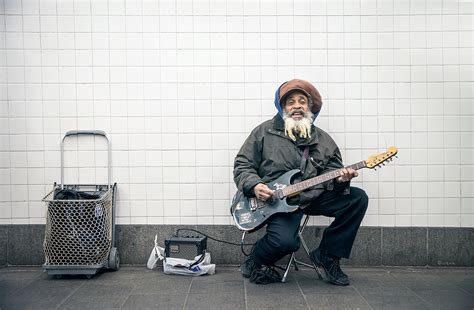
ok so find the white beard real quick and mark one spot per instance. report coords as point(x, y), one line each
point(301, 128)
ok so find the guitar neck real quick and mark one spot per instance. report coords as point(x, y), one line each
point(301, 186)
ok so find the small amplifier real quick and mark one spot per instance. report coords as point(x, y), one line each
point(186, 247)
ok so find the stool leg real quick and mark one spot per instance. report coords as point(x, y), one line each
point(293, 259)
point(288, 267)
point(306, 249)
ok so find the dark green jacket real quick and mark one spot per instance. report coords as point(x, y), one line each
point(268, 153)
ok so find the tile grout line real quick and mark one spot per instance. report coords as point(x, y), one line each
point(130, 292)
point(68, 296)
point(23, 287)
point(302, 293)
point(245, 294)
point(403, 285)
point(457, 285)
point(187, 294)
point(463, 290)
point(126, 299)
point(363, 298)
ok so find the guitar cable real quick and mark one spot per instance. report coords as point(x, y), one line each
point(241, 244)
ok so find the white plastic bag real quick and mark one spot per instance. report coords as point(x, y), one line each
point(201, 265)
point(157, 254)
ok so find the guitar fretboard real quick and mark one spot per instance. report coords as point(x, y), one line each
point(301, 186)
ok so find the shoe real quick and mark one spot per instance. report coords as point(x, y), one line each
point(248, 267)
point(331, 266)
point(265, 275)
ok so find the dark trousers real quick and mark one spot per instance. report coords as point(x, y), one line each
point(282, 230)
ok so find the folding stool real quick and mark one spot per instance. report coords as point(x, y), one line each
point(293, 259)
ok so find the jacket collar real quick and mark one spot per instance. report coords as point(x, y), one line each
point(279, 128)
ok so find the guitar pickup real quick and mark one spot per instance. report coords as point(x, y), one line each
point(253, 204)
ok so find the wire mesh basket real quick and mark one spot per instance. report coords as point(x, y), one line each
point(80, 223)
point(78, 232)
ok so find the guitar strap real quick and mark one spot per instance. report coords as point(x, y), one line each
point(304, 158)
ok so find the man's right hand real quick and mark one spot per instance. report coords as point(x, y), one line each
point(262, 191)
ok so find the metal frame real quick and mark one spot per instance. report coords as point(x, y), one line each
point(112, 262)
point(109, 167)
point(87, 132)
point(296, 262)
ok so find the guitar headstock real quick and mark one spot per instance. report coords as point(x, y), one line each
point(375, 160)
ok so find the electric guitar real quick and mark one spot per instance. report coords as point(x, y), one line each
point(250, 214)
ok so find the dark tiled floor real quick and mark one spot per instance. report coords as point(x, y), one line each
point(139, 288)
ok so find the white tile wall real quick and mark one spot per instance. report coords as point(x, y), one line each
point(178, 85)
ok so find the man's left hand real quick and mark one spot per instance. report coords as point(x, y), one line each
point(346, 175)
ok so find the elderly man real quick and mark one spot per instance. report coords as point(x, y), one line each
point(291, 141)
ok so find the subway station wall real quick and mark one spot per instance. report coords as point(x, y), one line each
point(178, 86)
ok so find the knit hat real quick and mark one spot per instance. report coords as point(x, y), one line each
point(289, 87)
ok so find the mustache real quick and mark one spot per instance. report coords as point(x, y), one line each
point(296, 111)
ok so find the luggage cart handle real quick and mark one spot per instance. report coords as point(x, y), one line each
point(86, 132)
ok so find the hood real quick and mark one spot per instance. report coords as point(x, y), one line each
point(285, 89)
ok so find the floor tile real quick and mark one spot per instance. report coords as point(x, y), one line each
point(447, 299)
point(98, 296)
point(337, 301)
point(216, 300)
point(392, 301)
point(42, 293)
point(140, 288)
point(154, 301)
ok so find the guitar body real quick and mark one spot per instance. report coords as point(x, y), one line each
point(250, 214)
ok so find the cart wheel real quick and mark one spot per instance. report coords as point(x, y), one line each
point(114, 259)
point(89, 276)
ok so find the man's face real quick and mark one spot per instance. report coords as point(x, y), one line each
point(296, 105)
